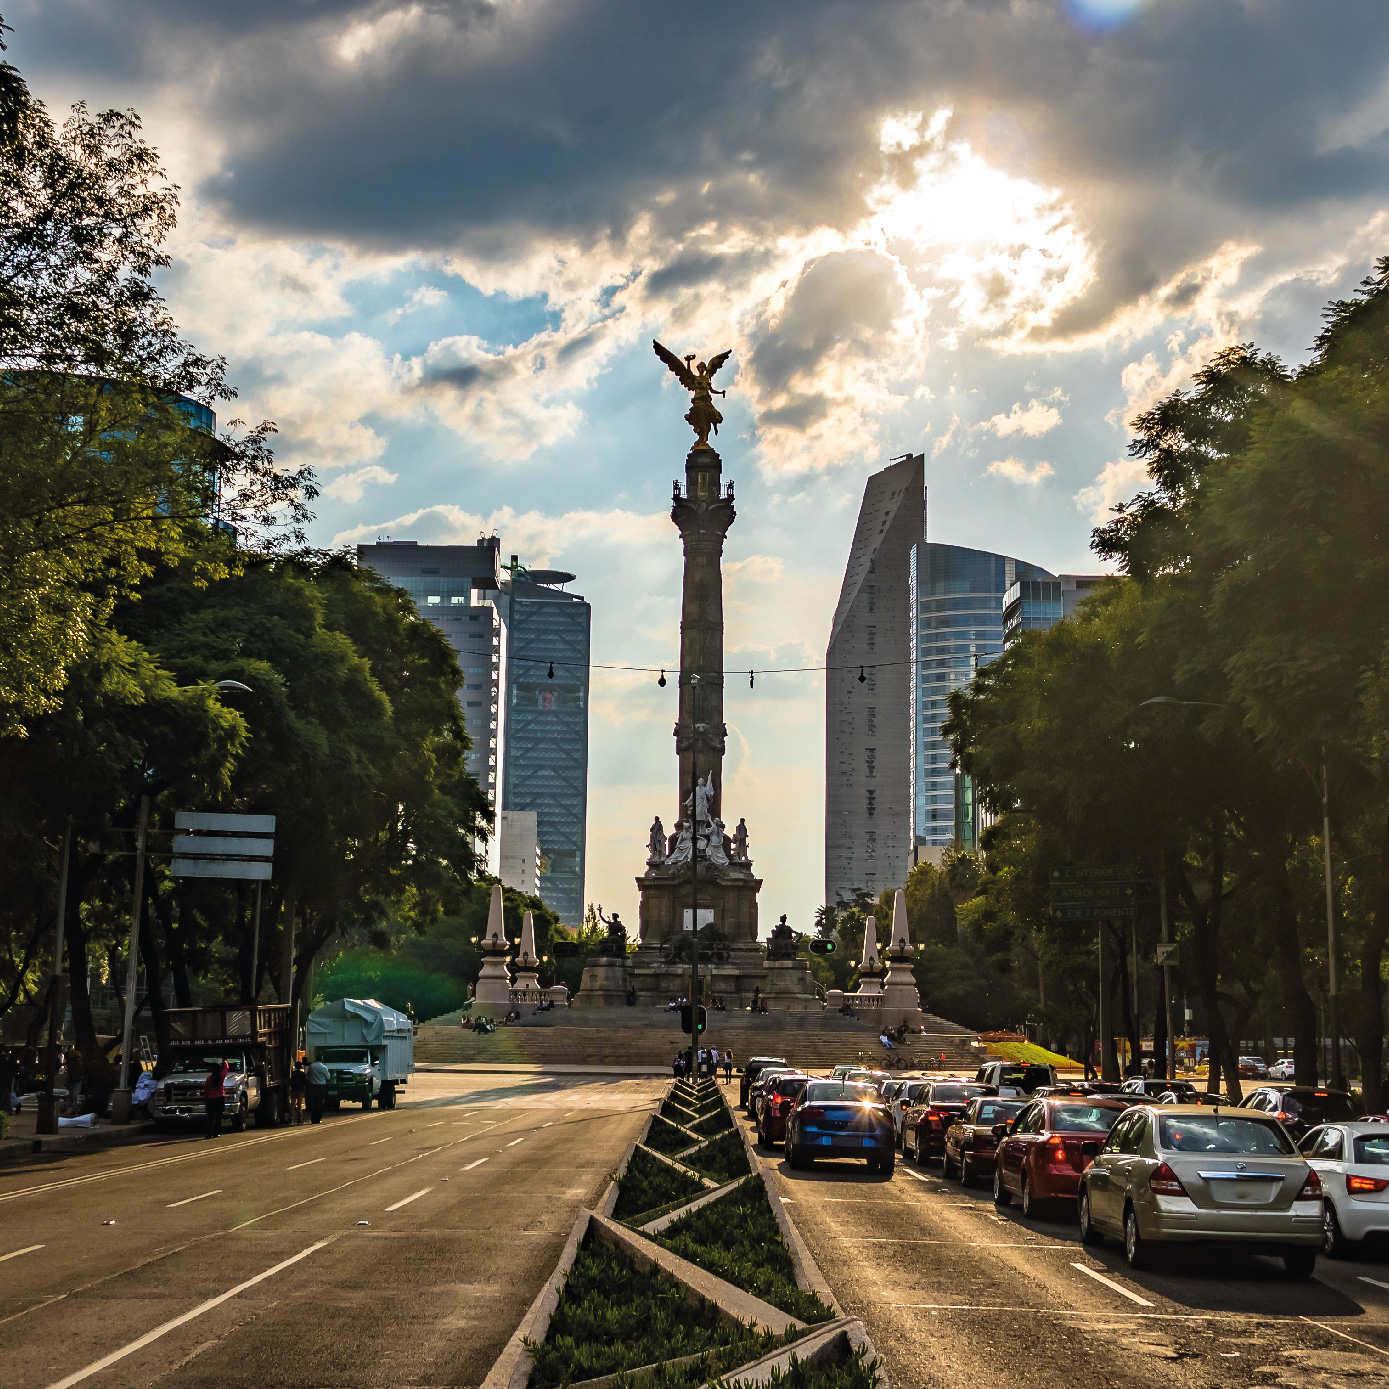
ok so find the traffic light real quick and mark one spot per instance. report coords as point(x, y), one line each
point(822, 947)
point(699, 1019)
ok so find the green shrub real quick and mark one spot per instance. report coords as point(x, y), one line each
point(738, 1239)
point(666, 1138)
point(715, 1122)
point(856, 1372)
point(4, 1127)
point(649, 1183)
point(613, 1317)
point(721, 1159)
point(678, 1113)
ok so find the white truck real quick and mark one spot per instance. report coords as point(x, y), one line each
point(368, 1048)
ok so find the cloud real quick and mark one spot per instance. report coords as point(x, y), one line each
point(1015, 470)
point(1116, 482)
point(351, 487)
point(1031, 421)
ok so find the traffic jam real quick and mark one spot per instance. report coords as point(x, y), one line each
point(1156, 1166)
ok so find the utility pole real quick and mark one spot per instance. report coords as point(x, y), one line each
point(1334, 1077)
point(1166, 965)
point(1109, 1061)
point(121, 1111)
point(48, 1105)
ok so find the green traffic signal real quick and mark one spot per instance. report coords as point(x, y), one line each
point(822, 947)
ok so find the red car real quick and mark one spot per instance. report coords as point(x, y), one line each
point(1042, 1152)
point(970, 1141)
point(775, 1103)
point(925, 1123)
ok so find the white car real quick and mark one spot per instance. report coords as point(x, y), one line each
point(1352, 1161)
point(1282, 1070)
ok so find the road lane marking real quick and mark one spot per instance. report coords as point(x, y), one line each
point(1379, 1350)
point(295, 1166)
point(515, 1141)
point(140, 1342)
point(375, 1141)
point(424, 1191)
point(550, 1125)
point(1117, 1287)
point(1375, 1281)
point(438, 1123)
point(471, 1165)
point(1081, 1312)
point(188, 1200)
point(28, 1249)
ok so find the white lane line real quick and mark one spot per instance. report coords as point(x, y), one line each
point(438, 1124)
point(1110, 1283)
point(14, 1254)
point(295, 1166)
point(550, 1125)
point(471, 1165)
point(375, 1141)
point(515, 1141)
point(1377, 1349)
point(424, 1191)
point(1123, 1317)
point(1375, 1281)
point(140, 1342)
point(188, 1200)
point(568, 1112)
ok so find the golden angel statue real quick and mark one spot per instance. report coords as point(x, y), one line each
point(699, 380)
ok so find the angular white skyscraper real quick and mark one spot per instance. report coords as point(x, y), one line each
point(868, 721)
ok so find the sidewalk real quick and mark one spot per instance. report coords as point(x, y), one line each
point(534, 1068)
point(24, 1141)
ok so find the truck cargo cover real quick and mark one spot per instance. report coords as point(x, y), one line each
point(378, 1021)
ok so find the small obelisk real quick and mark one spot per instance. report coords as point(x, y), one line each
point(493, 993)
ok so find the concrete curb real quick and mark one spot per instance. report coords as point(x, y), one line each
point(534, 1068)
point(17, 1149)
point(679, 1166)
point(655, 1227)
point(833, 1340)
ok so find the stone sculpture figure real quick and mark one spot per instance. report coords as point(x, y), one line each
point(703, 794)
point(656, 843)
point(616, 942)
point(740, 841)
point(703, 414)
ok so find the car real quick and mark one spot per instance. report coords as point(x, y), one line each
point(774, 1105)
point(840, 1118)
point(1189, 1174)
point(904, 1094)
point(1301, 1108)
point(1155, 1088)
point(970, 1141)
point(1352, 1161)
point(750, 1070)
point(1042, 1153)
point(925, 1123)
point(1283, 1070)
point(1211, 1098)
point(840, 1072)
point(1253, 1068)
point(766, 1080)
point(861, 1075)
point(1015, 1077)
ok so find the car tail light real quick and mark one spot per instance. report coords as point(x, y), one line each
point(1283, 1116)
point(934, 1116)
point(812, 1111)
point(777, 1102)
point(1311, 1188)
point(1165, 1182)
point(1366, 1183)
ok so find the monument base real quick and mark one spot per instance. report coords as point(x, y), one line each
point(604, 983)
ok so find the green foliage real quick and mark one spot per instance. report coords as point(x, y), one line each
point(738, 1239)
point(611, 1316)
point(721, 1159)
point(716, 1121)
point(649, 1184)
point(678, 1113)
point(666, 1138)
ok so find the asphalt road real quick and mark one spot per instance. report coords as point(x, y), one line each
point(396, 1248)
point(956, 1292)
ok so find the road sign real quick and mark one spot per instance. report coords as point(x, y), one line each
point(1169, 954)
point(1093, 892)
point(1093, 911)
point(223, 846)
point(1093, 873)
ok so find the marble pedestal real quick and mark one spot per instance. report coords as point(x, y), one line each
point(604, 983)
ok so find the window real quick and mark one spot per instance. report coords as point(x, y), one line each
point(1223, 1133)
point(429, 571)
point(434, 599)
point(460, 600)
point(1083, 1118)
point(1329, 1145)
point(1030, 1120)
point(1132, 1141)
point(1118, 1134)
point(1373, 1151)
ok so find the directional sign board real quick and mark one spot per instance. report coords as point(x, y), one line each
point(1093, 911)
point(1118, 893)
point(210, 845)
point(1092, 873)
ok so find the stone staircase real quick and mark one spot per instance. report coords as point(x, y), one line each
point(646, 1037)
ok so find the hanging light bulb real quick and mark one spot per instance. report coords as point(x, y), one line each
point(662, 681)
point(550, 674)
point(861, 676)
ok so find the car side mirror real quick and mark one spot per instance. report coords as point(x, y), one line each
point(1090, 1150)
point(1001, 1130)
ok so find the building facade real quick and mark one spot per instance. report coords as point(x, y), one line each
point(545, 754)
point(868, 689)
point(1035, 604)
point(520, 851)
point(957, 600)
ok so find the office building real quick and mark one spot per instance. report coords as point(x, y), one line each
point(520, 851)
point(1035, 604)
point(545, 754)
point(868, 690)
point(453, 586)
point(957, 598)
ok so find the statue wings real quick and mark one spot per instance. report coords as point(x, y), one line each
point(717, 361)
point(681, 372)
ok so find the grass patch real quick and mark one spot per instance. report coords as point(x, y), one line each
point(1027, 1051)
point(715, 1122)
point(613, 1317)
point(721, 1159)
point(648, 1183)
point(666, 1138)
point(677, 1113)
point(738, 1239)
point(855, 1372)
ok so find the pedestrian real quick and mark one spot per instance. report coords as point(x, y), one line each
point(298, 1083)
point(728, 1068)
point(675, 1064)
point(215, 1098)
point(317, 1087)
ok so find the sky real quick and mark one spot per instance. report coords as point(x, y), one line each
point(435, 239)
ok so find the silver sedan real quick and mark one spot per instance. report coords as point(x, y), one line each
point(1189, 1174)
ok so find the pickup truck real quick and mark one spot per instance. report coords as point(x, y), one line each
point(253, 1041)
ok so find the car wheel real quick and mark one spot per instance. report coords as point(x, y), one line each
point(946, 1166)
point(887, 1162)
point(1334, 1244)
point(238, 1121)
point(366, 1103)
point(1300, 1263)
point(1029, 1201)
point(917, 1155)
point(967, 1177)
point(793, 1159)
point(1088, 1233)
point(1002, 1196)
point(1136, 1248)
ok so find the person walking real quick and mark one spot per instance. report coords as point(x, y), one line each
point(298, 1083)
point(728, 1068)
point(215, 1098)
point(317, 1085)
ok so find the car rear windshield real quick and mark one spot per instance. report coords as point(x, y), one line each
point(792, 1085)
point(1223, 1133)
point(839, 1092)
point(915, 1091)
point(1319, 1109)
point(954, 1094)
point(996, 1111)
point(1373, 1151)
point(1083, 1118)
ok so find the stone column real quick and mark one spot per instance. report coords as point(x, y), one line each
point(870, 968)
point(493, 993)
point(901, 1002)
point(527, 962)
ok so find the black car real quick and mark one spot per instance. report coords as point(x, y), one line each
point(777, 1101)
point(750, 1070)
point(1300, 1108)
